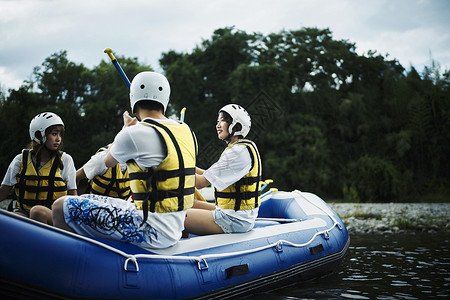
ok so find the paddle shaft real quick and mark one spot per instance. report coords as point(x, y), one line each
point(118, 67)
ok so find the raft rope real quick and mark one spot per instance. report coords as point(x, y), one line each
point(201, 260)
point(329, 215)
point(279, 220)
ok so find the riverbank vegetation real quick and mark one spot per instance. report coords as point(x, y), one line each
point(357, 127)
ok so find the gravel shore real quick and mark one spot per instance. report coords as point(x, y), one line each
point(394, 217)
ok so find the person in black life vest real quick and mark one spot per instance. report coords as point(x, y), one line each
point(235, 176)
point(41, 173)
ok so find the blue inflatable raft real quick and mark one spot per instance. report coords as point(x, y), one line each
point(297, 238)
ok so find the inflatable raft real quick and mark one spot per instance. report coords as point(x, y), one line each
point(297, 238)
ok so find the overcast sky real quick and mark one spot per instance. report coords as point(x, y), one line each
point(411, 31)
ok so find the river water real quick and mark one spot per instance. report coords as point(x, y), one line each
point(392, 266)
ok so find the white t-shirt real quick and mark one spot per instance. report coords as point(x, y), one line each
point(234, 164)
point(143, 144)
point(68, 174)
point(96, 165)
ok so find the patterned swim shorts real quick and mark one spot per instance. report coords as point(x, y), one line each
point(112, 218)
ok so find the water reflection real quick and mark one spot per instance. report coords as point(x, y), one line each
point(395, 266)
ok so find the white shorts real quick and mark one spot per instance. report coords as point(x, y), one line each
point(230, 224)
point(111, 218)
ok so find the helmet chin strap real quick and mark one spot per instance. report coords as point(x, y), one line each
point(228, 138)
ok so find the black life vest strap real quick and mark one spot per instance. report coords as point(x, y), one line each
point(111, 181)
point(250, 180)
point(182, 179)
point(34, 177)
point(163, 175)
point(113, 184)
point(124, 192)
point(258, 178)
point(22, 181)
point(33, 202)
point(149, 181)
point(161, 195)
point(37, 189)
point(51, 182)
point(50, 188)
point(238, 195)
point(234, 195)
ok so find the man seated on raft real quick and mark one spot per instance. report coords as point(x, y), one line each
point(162, 175)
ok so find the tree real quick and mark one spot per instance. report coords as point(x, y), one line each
point(16, 113)
point(107, 100)
point(364, 112)
point(199, 81)
point(325, 118)
point(64, 86)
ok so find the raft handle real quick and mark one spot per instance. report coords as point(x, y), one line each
point(133, 259)
point(203, 266)
point(279, 246)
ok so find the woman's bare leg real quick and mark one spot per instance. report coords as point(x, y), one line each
point(201, 222)
point(58, 215)
point(42, 214)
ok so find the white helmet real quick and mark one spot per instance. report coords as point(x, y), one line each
point(41, 122)
point(239, 116)
point(149, 86)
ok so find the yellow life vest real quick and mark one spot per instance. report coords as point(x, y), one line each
point(41, 187)
point(170, 186)
point(113, 183)
point(245, 193)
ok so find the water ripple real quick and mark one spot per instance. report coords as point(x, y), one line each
point(394, 266)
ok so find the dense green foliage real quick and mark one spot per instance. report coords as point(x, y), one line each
point(326, 120)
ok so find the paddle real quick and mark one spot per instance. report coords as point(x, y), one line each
point(118, 67)
point(265, 183)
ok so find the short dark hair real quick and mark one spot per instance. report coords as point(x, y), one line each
point(149, 105)
point(227, 118)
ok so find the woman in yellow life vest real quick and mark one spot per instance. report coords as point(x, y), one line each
point(236, 177)
point(41, 173)
point(112, 182)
